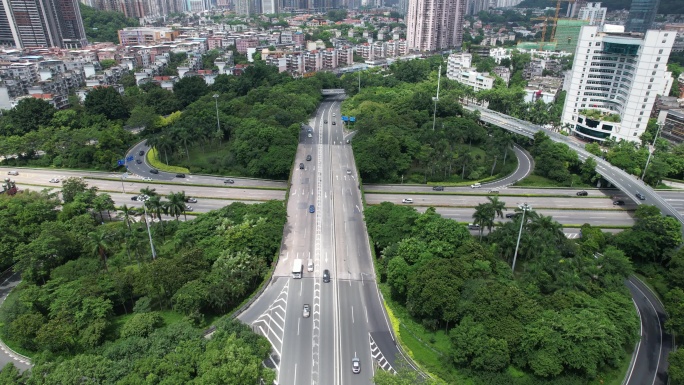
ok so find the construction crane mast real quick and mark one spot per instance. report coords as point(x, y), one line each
point(555, 19)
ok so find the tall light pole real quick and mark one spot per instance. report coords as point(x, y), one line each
point(524, 207)
point(147, 222)
point(436, 99)
point(218, 124)
point(650, 153)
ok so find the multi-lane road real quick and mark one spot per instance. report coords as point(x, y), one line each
point(347, 319)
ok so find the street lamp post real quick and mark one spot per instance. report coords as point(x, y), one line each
point(218, 124)
point(436, 99)
point(524, 207)
point(650, 153)
point(149, 233)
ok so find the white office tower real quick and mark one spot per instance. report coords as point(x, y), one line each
point(593, 13)
point(434, 25)
point(614, 81)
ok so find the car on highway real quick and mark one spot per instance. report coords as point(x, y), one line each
point(138, 161)
point(348, 172)
point(356, 365)
point(476, 185)
point(325, 121)
point(407, 200)
point(154, 171)
point(309, 265)
point(308, 157)
point(188, 208)
point(134, 198)
point(301, 166)
point(347, 141)
point(147, 179)
point(582, 193)
point(191, 200)
point(334, 114)
point(326, 275)
point(15, 173)
point(640, 196)
point(180, 175)
point(306, 311)
point(472, 226)
point(511, 215)
point(229, 181)
point(493, 191)
point(312, 209)
point(618, 203)
point(309, 135)
point(141, 153)
point(438, 188)
point(334, 122)
point(54, 180)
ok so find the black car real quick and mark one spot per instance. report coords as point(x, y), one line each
point(230, 181)
point(438, 188)
point(326, 122)
point(141, 152)
point(511, 215)
point(138, 161)
point(154, 171)
point(180, 175)
point(640, 196)
point(619, 203)
point(301, 166)
point(308, 157)
point(326, 275)
point(334, 122)
point(134, 198)
point(582, 193)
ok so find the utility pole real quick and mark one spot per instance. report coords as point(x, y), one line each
point(149, 233)
point(436, 99)
point(525, 208)
point(218, 124)
point(650, 153)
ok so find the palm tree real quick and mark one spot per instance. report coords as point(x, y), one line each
point(484, 217)
point(184, 137)
point(150, 192)
point(99, 245)
point(127, 213)
point(497, 205)
point(176, 204)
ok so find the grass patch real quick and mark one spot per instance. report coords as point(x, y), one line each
point(428, 349)
point(540, 181)
point(153, 159)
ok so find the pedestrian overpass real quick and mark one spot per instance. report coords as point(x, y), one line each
point(332, 91)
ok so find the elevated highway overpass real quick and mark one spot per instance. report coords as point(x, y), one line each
point(628, 184)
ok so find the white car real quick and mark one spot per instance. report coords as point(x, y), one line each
point(147, 179)
point(188, 208)
point(476, 185)
point(407, 200)
point(348, 172)
point(54, 180)
point(334, 114)
point(191, 200)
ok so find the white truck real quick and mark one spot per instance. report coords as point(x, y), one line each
point(297, 269)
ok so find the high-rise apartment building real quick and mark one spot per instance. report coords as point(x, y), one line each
point(593, 13)
point(641, 15)
point(614, 81)
point(42, 23)
point(434, 25)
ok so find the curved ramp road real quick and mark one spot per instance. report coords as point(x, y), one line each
point(650, 362)
point(7, 355)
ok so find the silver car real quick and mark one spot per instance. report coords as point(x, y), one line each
point(356, 365)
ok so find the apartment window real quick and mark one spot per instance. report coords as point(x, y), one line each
point(584, 105)
point(651, 81)
point(598, 44)
point(648, 93)
point(655, 66)
point(653, 73)
point(660, 52)
point(635, 134)
point(658, 58)
point(641, 113)
point(577, 99)
point(589, 51)
point(639, 119)
point(637, 126)
point(645, 100)
point(584, 99)
point(643, 106)
point(666, 34)
point(575, 104)
point(650, 86)
point(663, 40)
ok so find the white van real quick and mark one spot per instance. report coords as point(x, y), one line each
point(309, 265)
point(407, 200)
point(15, 173)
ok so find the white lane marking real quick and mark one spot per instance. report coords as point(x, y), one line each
point(299, 320)
point(366, 309)
point(295, 374)
point(352, 308)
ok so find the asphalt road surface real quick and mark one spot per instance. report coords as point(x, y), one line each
point(6, 285)
point(347, 318)
point(144, 168)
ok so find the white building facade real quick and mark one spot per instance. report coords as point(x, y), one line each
point(614, 81)
point(593, 13)
point(434, 25)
